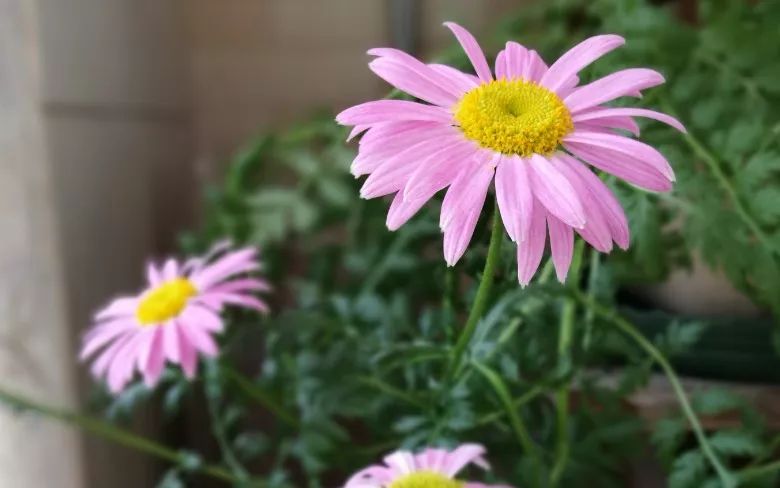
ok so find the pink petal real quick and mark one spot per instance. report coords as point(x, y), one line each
point(199, 338)
point(462, 211)
point(105, 358)
point(232, 263)
point(619, 84)
point(438, 170)
point(244, 284)
point(561, 246)
point(555, 192)
point(500, 67)
point(246, 301)
point(171, 342)
point(371, 477)
point(534, 67)
point(411, 83)
point(356, 131)
point(154, 365)
point(102, 334)
point(514, 196)
point(189, 358)
point(432, 459)
point(472, 50)
point(624, 145)
point(153, 275)
point(401, 462)
point(577, 58)
point(632, 170)
point(462, 456)
point(464, 81)
point(529, 252)
point(170, 270)
point(433, 85)
point(610, 206)
point(146, 338)
point(389, 142)
point(204, 317)
point(118, 307)
point(596, 231)
point(121, 369)
point(393, 174)
point(401, 210)
point(617, 122)
point(510, 62)
point(379, 111)
point(607, 113)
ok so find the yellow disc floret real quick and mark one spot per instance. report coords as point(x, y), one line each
point(426, 479)
point(514, 117)
point(165, 302)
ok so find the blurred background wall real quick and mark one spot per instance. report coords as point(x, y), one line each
point(114, 115)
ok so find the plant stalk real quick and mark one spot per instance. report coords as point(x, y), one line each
point(565, 336)
point(483, 294)
point(727, 479)
point(120, 436)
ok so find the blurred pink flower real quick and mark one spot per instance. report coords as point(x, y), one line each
point(174, 318)
point(530, 128)
point(432, 468)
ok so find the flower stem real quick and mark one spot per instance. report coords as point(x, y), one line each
point(121, 436)
point(256, 393)
point(515, 421)
point(726, 477)
point(483, 293)
point(717, 172)
point(758, 471)
point(213, 395)
point(564, 364)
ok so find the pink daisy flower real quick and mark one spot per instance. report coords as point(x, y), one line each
point(530, 128)
point(432, 468)
point(174, 318)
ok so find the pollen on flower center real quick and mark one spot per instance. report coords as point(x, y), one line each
point(514, 117)
point(165, 302)
point(425, 479)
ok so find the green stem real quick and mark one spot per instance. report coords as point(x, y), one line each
point(726, 477)
point(712, 163)
point(120, 436)
point(390, 390)
point(218, 428)
point(483, 294)
point(519, 428)
point(759, 471)
point(593, 277)
point(253, 391)
point(565, 363)
point(516, 404)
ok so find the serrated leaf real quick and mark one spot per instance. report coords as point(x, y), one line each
point(758, 169)
point(715, 401)
point(688, 470)
point(669, 434)
point(409, 423)
point(766, 205)
point(736, 443)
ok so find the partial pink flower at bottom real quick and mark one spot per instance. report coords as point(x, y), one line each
point(174, 318)
point(431, 468)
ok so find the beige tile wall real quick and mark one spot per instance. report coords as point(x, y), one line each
point(35, 359)
point(115, 104)
point(263, 64)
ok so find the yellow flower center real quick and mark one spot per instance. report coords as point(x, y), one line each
point(514, 117)
point(425, 479)
point(165, 302)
